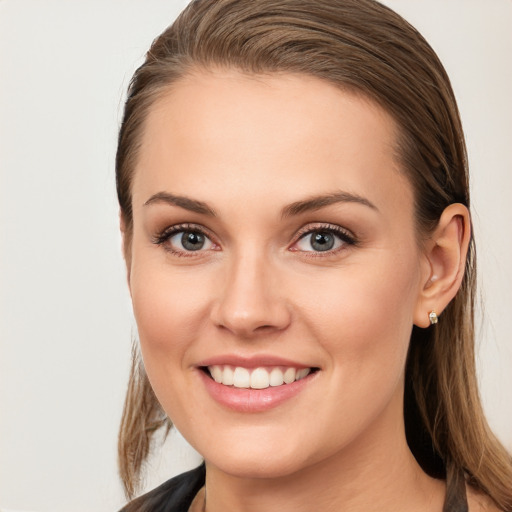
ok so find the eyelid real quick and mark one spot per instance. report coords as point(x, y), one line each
point(345, 235)
point(167, 233)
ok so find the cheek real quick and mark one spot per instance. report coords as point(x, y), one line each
point(365, 317)
point(363, 324)
point(169, 310)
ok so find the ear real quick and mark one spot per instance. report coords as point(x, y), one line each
point(126, 241)
point(445, 256)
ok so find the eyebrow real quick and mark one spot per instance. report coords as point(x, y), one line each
point(296, 208)
point(318, 202)
point(183, 202)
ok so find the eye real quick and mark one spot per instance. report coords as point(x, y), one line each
point(183, 240)
point(190, 241)
point(323, 239)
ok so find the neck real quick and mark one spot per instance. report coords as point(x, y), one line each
point(369, 475)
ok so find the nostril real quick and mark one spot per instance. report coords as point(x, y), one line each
point(264, 328)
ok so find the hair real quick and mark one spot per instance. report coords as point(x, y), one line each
point(364, 47)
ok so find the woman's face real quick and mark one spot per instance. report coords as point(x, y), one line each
point(274, 249)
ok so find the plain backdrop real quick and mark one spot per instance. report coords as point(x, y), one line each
point(66, 321)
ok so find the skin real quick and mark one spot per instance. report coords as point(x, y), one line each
point(249, 147)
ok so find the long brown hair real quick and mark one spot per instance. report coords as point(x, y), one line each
point(362, 46)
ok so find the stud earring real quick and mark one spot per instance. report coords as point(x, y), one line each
point(432, 316)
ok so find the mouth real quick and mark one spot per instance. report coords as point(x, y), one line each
point(262, 377)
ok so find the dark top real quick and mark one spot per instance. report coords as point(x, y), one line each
point(177, 494)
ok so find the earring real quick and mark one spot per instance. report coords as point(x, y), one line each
point(432, 316)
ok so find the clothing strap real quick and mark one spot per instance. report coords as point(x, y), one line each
point(456, 499)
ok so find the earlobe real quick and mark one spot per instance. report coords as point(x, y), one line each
point(445, 252)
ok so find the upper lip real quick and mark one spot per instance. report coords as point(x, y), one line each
point(251, 361)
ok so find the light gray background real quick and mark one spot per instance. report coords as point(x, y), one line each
point(65, 314)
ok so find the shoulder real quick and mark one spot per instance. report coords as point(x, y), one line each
point(480, 502)
point(174, 495)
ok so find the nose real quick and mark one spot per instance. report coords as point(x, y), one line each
point(251, 299)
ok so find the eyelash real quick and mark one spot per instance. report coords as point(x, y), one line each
point(345, 236)
point(165, 235)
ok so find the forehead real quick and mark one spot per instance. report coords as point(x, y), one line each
point(281, 135)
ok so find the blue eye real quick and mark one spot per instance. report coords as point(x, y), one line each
point(190, 241)
point(184, 240)
point(323, 240)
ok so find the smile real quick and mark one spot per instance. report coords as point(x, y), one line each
point(256, 378)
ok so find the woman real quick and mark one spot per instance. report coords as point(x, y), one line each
point(294, 202)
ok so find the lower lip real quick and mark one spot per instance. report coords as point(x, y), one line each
point(253, 400)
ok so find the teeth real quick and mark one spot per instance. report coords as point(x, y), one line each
point(227, 375)
point(241, 378)
point(276, 377)
point(289, 375)
point(216, 372)
point(304, 372)
point(259, 378)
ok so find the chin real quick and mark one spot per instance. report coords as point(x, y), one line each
point(258, 468)
point(252, 460)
